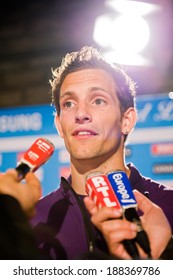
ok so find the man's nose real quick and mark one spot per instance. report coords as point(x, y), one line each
point(82, 115)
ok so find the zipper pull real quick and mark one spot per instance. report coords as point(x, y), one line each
point(91, 247)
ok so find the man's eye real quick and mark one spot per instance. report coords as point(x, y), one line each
point(99, 101)
point(68, 104)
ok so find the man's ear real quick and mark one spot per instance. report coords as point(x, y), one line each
point(129, 120)
point(58, 126)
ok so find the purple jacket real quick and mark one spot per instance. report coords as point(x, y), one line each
point(62, 224)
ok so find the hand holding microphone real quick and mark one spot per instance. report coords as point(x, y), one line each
point(100, 191)
point(27, 193)
point(40, 151)
point(122, 188)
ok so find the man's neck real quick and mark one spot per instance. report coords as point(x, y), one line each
point(80, 171)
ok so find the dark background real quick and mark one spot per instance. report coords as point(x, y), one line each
point(35, 35)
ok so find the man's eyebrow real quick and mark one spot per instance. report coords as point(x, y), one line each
point(71, 93)
point(98, 88)
point(67, 93)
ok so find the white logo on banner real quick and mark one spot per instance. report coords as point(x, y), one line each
point(165, 111)
point(20, 122)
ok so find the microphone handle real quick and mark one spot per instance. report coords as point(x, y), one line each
point(131, 248)
point(22, 169)
point(142, 237)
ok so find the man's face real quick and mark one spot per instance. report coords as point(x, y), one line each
point(90, 118)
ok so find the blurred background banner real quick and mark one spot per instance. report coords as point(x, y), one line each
point(149, 147)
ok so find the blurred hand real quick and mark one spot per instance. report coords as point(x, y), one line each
point(27, 193)
point(154, 223)
point(115, 230)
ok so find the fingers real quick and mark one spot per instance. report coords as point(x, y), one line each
point(91, 207)
point(105, 214)
point(117, 228)
point(114, 232)
point(1, 174)
point(27, 193)
point(110, 212)
point(33, 183)
point(13, 173)
point(7, 180)
point(104, 218)
point(32, 180)
point(114, 229)
point(143, 202)
point(108, 221)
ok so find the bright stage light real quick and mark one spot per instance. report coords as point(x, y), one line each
point(129, 34)
point(171, 95)
point(102, 30)
point(126, 58)
point(132, 7)
point(125, 33)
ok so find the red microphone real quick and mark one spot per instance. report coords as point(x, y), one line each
point(40, 151)
point(100, 190)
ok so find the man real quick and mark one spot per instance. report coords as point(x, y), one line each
point(95, 112)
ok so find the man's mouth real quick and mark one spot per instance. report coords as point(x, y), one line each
point(83, 132)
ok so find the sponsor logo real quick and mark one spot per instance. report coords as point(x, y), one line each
point(162, 149)
point(122, 189)
point(20, 122)
point(162, 168)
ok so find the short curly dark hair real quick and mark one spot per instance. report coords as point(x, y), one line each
point(90, 58)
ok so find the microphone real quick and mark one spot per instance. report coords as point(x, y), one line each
point(40, 151)
point(122, 188)
point(100, 191)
